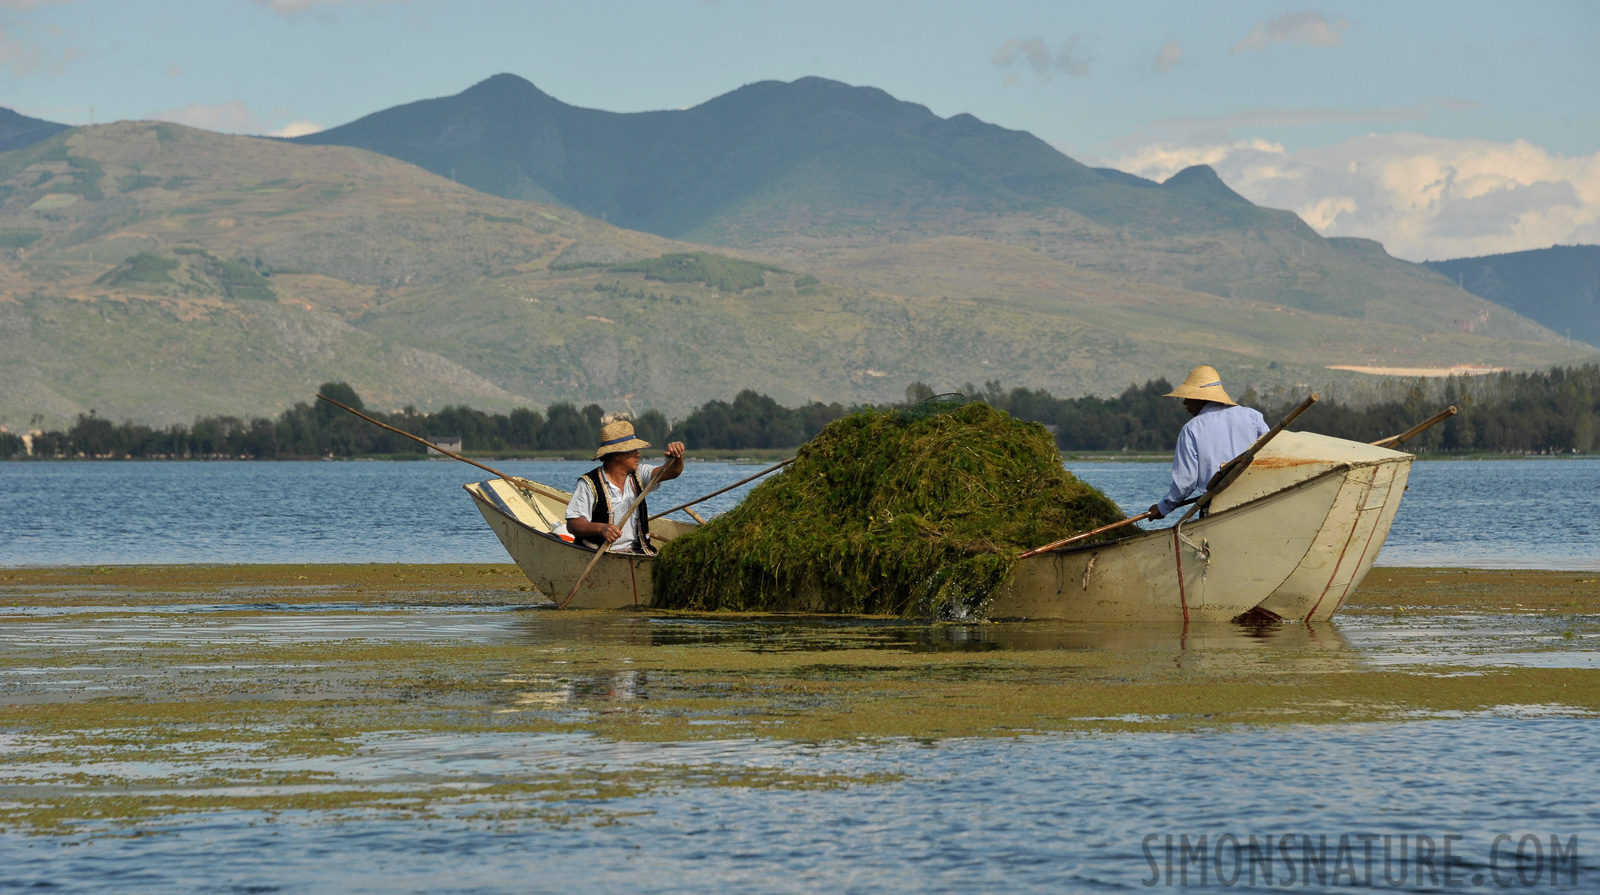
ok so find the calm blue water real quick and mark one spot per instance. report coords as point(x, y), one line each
point(1035, 815)
point(1487, 514)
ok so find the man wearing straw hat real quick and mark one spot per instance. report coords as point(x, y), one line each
point(611, 487)
point(1220, 431)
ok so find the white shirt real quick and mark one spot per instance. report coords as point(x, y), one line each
point(1217, 434)
point(581, 506)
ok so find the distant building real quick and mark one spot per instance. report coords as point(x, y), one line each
point(448, 442)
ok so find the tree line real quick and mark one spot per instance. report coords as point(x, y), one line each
point(1551, 412)
point(318, 429)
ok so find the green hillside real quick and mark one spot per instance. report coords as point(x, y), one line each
point(17, 131)
point(1559, 286)
point(156, 272)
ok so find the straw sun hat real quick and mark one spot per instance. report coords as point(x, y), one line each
point(1205, 384)
point(618, 437)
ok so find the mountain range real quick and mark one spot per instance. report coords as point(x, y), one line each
point(811, 240)
point(817, 169)
point(1558, 286)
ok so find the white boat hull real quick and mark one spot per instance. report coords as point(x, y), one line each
point(524, 523)
point(1292, 538)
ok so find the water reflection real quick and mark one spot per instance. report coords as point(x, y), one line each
point(1128, 650)
point(830, 633)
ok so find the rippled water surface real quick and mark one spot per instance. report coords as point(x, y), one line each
point(1088, 812)
point(1038, 814)
point(1498, 513)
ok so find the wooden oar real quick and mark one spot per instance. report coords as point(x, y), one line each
point(1395, 441)
point(1233, 468)
point(1088, 534)
point(1102, 529)
point(516, 481)
point(685, 506)
point(606, 547)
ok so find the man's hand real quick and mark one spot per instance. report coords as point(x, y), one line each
point(1155, 511)
point(583, 528)
point(674, 465)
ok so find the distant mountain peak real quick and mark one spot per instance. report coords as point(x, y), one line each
point(505, 87)
point(1203, 178)
point(773, 159)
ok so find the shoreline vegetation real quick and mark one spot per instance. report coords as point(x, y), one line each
point(1550, 413)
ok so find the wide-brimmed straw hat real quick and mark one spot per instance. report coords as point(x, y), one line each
point(1204, 384)
point(617, 438)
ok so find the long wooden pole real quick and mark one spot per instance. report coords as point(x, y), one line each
point(1088, 534)
point(606, 547)
point(1102, 529)
point(416, 438)
point(1233, 468)
point(1394, 441)
point(516, 481)
point(685, 506)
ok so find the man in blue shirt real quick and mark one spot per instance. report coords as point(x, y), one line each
point(1220, 431)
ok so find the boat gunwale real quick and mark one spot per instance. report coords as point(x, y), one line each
point(548, 535)
point(1343, 468)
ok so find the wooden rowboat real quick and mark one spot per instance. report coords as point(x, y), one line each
point(1291, 538)
point(525, 519)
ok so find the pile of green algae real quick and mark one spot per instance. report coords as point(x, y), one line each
point(919, 514)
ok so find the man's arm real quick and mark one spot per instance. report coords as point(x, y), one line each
point(1185, 474)
point(579, 509)
point(674, 465)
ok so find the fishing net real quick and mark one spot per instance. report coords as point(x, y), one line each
point(916, 513)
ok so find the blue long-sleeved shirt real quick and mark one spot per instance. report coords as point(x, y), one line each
point(1217, 434)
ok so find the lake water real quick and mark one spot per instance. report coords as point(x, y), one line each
point(1091, 812)
point(1034, 815)
point(1487, 514)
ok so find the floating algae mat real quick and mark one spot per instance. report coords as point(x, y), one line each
point(908, 513)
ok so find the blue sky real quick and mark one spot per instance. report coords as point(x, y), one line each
point(1442, 129)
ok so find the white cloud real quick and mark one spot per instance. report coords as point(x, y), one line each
point(1170, 54)
point(1308, 26)
point(1070, 57)
point(1422, 197)
point(23, 54)
point(18, 55)
point(229, 118)
point(296, 129)
point(232, 118)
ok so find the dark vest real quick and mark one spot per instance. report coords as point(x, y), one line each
point(602, 511)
